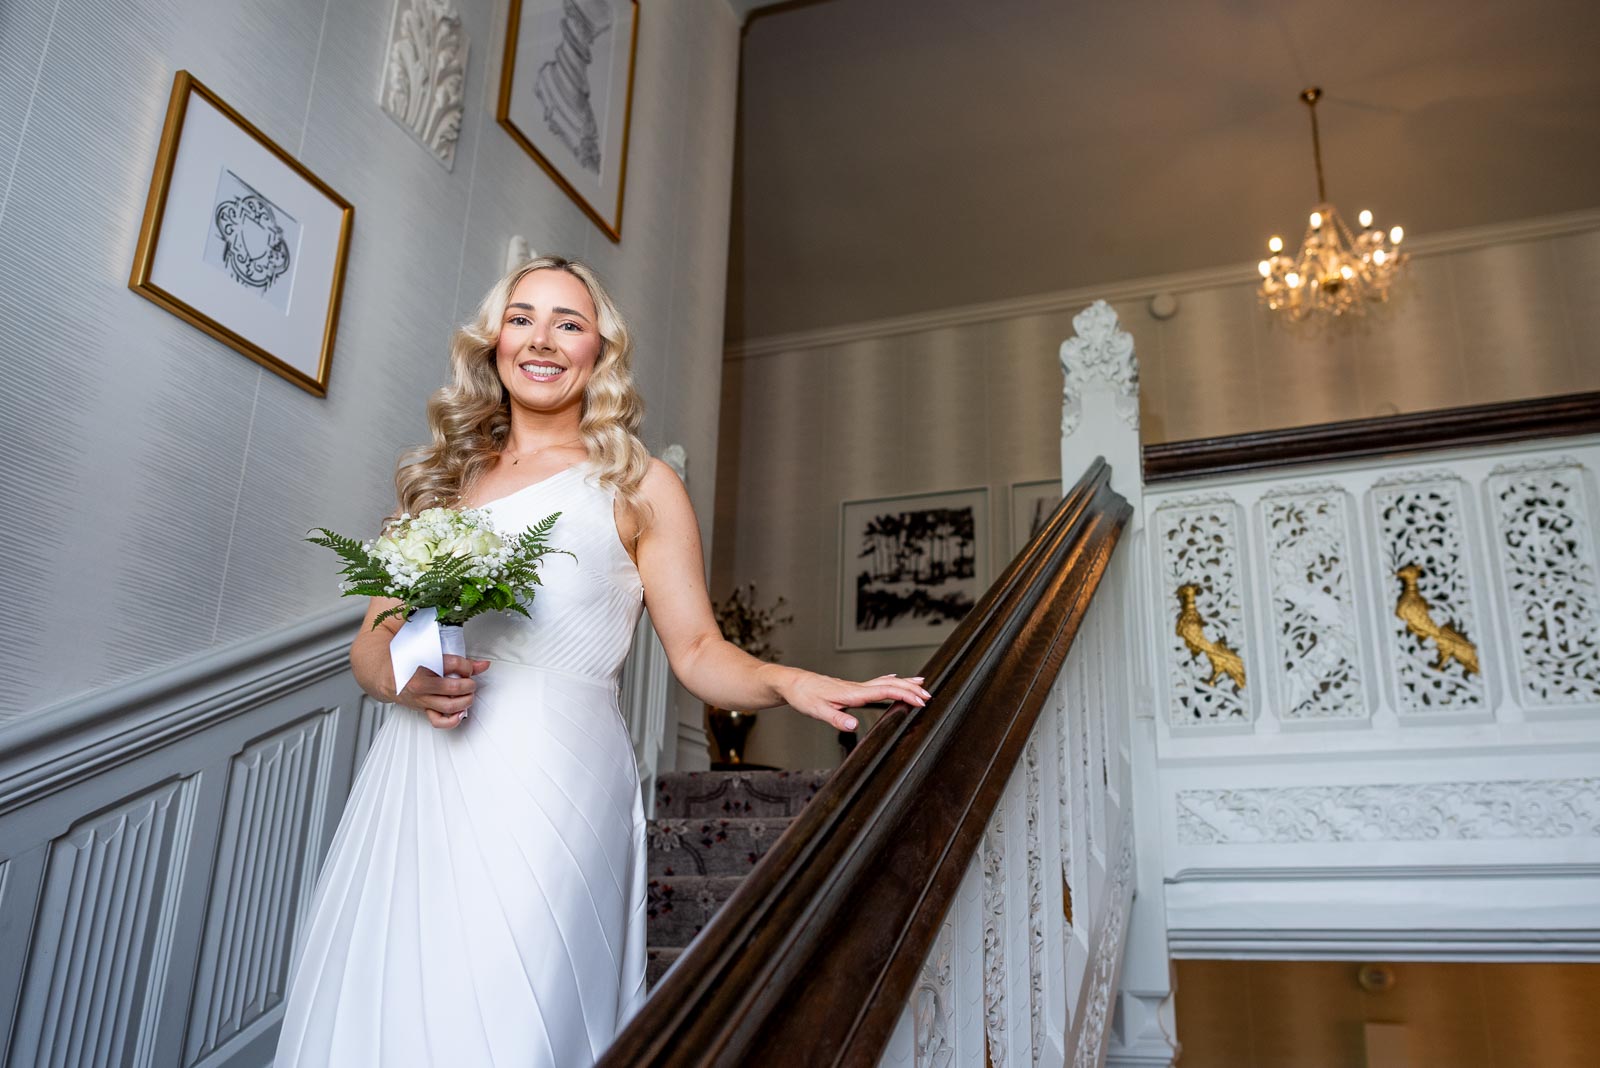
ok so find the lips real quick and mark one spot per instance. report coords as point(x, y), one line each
point(540, 371)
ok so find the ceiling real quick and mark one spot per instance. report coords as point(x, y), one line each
point(901, 156)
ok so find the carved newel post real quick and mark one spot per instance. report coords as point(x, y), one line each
point(1100, 402)
point(1100, 417)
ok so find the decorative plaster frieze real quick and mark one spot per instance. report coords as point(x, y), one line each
point(424, 76)
point(1108, 954)
point(1546, 549)
point(1100, 356)
point(1390, 812)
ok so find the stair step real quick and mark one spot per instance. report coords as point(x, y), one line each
point(657, 959)
point(684, 846)
point(678, 906)
point(735, 793)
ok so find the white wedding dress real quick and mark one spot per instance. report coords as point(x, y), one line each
point(483, 902)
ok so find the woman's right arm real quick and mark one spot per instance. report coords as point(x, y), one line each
point(445, 700)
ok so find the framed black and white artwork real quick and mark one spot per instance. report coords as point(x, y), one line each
point(910, 567)
point(1031, 505)
point(566, 96)
point(242, 240)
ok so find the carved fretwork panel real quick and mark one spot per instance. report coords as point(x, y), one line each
point(1546, 552)
point(1199, 546)
point(1314, 628)
point(1432, 635)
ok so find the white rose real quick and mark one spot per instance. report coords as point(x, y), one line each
point(416, 548)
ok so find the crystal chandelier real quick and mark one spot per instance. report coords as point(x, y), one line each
point(1336, 273)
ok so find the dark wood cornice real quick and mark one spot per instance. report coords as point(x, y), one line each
point(1481, 424)
point(812, 960)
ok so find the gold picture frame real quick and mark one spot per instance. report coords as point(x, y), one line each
point(244, 268)
point(517, 110)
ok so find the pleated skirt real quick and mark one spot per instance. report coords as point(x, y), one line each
point(483, 902)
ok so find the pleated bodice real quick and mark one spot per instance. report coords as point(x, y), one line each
point(582, 617)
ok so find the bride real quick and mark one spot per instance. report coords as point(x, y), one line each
point(483, 900)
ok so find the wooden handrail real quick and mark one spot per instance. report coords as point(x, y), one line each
point(812, 959)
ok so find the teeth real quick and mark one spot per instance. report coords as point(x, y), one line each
point(542, 372)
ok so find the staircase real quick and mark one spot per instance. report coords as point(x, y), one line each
point(709, 830)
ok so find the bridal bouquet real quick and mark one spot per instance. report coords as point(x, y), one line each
point(444, 566)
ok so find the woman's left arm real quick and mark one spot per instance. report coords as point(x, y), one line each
point(712, 668)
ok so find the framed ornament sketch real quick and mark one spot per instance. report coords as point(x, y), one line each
point(566, 96)
point(1031, 505)
point(910, 567)
point(241, 240)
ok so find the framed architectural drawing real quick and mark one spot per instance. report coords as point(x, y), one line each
point(910, 567)
point(566, 96)
point(1031, 505)
point(241, 240)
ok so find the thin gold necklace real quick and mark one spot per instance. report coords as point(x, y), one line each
point(515, 459)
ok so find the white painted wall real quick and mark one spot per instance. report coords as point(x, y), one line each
point(151, 475)
point(972, 396)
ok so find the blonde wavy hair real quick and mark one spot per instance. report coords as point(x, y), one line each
point(471, 416)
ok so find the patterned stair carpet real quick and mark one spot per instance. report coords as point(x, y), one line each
point(709, 830)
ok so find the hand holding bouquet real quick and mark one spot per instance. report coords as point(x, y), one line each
point(444, 566)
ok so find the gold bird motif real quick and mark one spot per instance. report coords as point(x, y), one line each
point(1192, 629)
point(1415, 612)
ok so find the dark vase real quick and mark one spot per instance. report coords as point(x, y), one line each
point(729, 730)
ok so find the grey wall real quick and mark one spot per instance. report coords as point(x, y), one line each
point(807, 424)
point(155, 482)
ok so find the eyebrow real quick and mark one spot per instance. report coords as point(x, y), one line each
point(554, 311)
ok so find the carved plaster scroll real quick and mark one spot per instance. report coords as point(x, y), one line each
point(933, 1004)
point(1547, 569)
point(1100, 356)
point(1314, 629)
point(994, 936)
point(424, 75)
point(1198, 541)
point(1391, 812)
point(1097, 1013)
point(1035, 858)
point(1421, 524)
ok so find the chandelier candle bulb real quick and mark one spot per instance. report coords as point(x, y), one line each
point(1396, 234)
point(1316, 219)
point(1366, 219)
point(1275, 244)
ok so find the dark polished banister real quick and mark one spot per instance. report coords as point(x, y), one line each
point(812, 959)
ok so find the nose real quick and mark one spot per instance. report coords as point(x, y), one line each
point(539, 336)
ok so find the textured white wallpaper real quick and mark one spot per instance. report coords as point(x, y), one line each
point(154, 484)
point(980, 404)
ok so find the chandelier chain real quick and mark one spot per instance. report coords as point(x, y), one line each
point(1311, 96)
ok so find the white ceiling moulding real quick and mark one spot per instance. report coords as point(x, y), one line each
point(1139, 288)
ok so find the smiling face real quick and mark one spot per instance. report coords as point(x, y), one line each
point(549, 342)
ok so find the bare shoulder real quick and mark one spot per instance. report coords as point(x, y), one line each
point(666, 503)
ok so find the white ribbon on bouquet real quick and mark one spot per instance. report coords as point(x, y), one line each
point(422, 642)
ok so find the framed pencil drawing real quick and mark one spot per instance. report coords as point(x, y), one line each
point(1031, 505)
point(910, 567)
point(241, 240)
point(566, 96)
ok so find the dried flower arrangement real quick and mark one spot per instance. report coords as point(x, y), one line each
point(748, 626)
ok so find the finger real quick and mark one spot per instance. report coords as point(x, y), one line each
point(436, 685)
point(460, 665)
point(448, 706)
point(444, 722)
point(867, 693)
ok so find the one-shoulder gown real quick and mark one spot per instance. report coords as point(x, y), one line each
point(483, 902)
